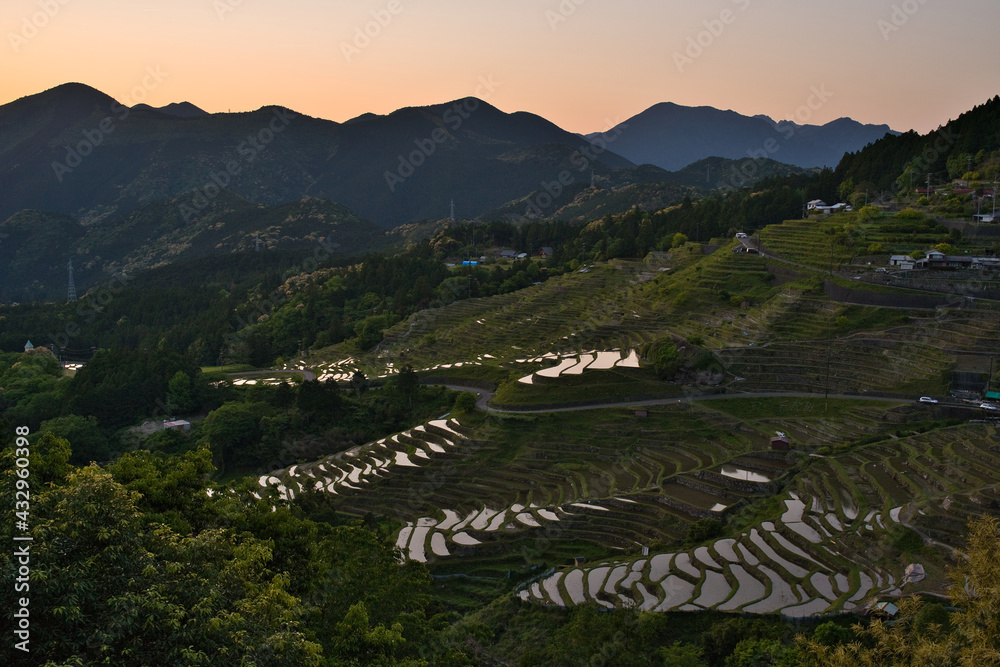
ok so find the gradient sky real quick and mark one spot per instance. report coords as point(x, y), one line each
point(584, 64)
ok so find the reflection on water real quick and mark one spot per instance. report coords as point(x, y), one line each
point(742, 473)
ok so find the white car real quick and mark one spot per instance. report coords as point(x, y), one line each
point(927, 399)
point(987, 406)
point(741, 235)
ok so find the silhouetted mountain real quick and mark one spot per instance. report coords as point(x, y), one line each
point(178, 109)
point(76, 151)
point(673, 136)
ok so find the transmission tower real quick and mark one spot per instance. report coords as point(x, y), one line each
point(71, 292)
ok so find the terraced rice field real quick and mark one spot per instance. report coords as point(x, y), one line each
point(469, 488)
point(855, 366)
point(781, 566)
point(817, 557)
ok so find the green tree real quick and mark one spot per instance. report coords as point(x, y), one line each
point(408, 383)
point(87, 441)
point(665, 358)
point(465, 403)
point(171, 488)
point(758, 652)
point(210, 598)
point(358, 643)
point(182, 394)
point(233, 431)
point(680, 654)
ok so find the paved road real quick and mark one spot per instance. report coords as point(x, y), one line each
point(306, 375)
point(486, 396)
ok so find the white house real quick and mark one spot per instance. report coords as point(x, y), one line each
point(836, 208)
point(815, 204)
point(904, 262)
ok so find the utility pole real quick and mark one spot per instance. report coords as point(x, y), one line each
point(994, 198)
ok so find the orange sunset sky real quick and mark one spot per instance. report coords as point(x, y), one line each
point(584, 64)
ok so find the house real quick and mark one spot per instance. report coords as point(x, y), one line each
point(28, 347)
point(545, 252)
point(939, 261)
point(815, 204)
point(984, 217)
point(836, 208)
point(508, 254)
point(904, 262)
point(781, 443)
point(884, 610)
point(179, 425)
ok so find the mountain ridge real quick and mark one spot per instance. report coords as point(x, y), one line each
point(673, 136)
point(76, 151)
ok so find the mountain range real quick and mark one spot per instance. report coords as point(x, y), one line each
point(671, 136)
point(76, 151)
point(126, 189)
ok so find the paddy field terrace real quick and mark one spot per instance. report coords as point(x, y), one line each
point(591, 479)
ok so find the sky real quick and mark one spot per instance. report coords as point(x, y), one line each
point(586, 65)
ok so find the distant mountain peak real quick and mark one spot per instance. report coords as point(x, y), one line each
point(176, 109)
point(672, 136)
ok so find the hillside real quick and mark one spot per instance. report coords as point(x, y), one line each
point(869, 468)
point(37, 247)
point(966, 148)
